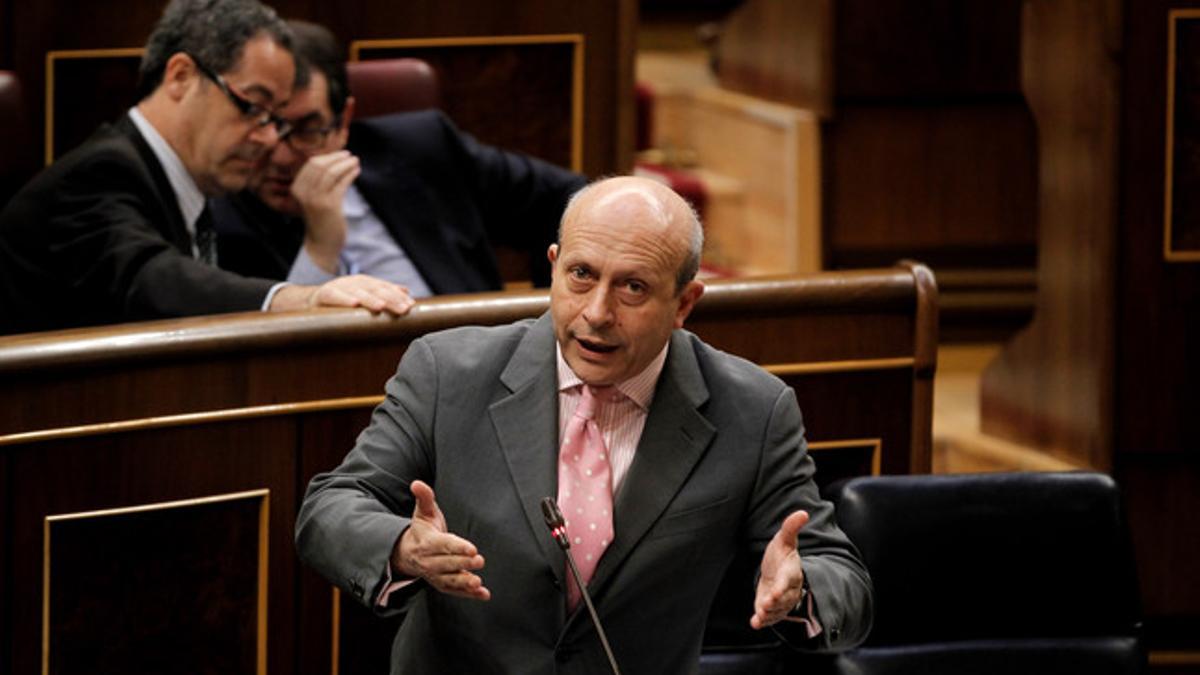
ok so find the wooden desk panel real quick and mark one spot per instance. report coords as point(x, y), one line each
point(143, 413)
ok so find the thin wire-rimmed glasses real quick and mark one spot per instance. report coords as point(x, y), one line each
point(249, 110)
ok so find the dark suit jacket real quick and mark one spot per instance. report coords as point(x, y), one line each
point(473, 411)
point(98, 238)
point(445, 198)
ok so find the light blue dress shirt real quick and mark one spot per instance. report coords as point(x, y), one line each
point(369, 249)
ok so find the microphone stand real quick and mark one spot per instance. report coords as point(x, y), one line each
point(558, 527)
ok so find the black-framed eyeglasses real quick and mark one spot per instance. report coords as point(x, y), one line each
point(307, 139)
point(249, 110)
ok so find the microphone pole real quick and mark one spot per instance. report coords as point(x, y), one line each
point(558, 527)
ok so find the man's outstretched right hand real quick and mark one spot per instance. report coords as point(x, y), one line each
point(427, 550)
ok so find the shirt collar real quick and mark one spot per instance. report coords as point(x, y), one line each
point(639, 388)
point(187, 193)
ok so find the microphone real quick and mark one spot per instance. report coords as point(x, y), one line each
point(558, 528)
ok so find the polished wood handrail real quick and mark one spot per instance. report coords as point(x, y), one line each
point(195, 337)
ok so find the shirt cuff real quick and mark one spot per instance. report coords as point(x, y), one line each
point(806, 613)
point(308, 273)
point(266, 306)
point(390, 587)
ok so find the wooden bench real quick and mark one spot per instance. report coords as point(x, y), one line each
point(186, 446)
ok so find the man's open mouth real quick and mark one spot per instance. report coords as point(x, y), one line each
point(597, 347)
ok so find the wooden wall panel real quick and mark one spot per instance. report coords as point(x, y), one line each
point(879, 416)
point(484, 87)
point(75, 107)
point(781, 51)
point(606, 29)
point(1156, 377)
point(144, 467)
point(1107, 372)
point(928, 149)
point(1158, 316)
point(188, 580)
point(6, 42)
point(931, 49)
point(950, 185)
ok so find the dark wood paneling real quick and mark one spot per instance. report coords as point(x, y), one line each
point(606, 26)
point(6, 41)
point(186, 580)
point(950, 185)
point(928, 149)
point(485, 87)
point(1158, 316)
point(1183, 107)
point(77, 109)
point(236, 360)
point(781, 51)
point(844, 460)
point(1157, 330)
point(882, 401)
point(926, 49)
point(867, 336)
point(1162, 499)
point(367, 639)
point(144, 467)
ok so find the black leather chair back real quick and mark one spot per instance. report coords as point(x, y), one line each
point(1020, 573)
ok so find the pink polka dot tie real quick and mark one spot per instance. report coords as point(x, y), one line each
point(585, 490)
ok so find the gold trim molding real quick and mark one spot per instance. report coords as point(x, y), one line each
point(1162, 657)
point(784, 369)
point(54, 55)
point(183, 419)
point(1170, 254)
point(577, 78)
point(336, 619)
point(876, 445)
point(279, 409)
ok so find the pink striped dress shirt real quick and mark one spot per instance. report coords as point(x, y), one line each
point(620, 420)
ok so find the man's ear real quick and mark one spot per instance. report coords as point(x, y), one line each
point(178, 74)
point(552, 255)
point(687, 300)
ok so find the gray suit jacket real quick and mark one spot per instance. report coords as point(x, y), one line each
point(473, 411)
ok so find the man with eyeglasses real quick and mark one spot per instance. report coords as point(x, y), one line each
point(403, 197)
point(118, 229)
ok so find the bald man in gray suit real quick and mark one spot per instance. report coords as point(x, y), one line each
point(719, 468)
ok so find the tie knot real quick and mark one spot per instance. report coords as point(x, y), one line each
point(591, 400)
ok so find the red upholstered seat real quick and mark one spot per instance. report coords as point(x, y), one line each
point(385, 86)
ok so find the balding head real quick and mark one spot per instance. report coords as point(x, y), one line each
point(623, 276)
point(657, 202)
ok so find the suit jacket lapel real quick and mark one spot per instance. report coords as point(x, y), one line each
point(674, 439)
point(526, 423)
point(174, 230)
